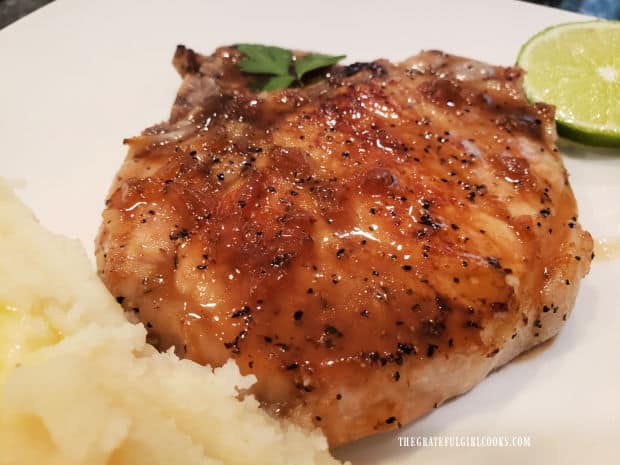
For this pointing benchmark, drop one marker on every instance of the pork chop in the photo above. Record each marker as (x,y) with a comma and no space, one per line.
(368,245)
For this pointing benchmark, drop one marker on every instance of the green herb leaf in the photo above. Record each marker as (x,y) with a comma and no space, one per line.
(314,61)
(279,82)
(262,59)
(277,62)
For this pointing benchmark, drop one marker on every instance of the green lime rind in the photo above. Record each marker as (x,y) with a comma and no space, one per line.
(585,132)
(588,136)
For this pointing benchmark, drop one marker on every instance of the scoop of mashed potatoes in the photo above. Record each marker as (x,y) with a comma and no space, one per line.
(80,385)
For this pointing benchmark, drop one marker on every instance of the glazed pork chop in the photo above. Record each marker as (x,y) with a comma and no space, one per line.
(368,245)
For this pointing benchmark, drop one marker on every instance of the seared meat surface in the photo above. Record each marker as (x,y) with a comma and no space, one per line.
(368,245)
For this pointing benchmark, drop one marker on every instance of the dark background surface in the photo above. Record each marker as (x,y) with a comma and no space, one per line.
(12,10)
(609,9)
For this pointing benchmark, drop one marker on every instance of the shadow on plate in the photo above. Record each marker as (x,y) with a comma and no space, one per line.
(586,152)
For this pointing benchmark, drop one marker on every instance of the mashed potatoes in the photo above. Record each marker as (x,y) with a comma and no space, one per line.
(79,384)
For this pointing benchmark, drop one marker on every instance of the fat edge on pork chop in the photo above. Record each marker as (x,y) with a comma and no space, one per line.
(368,245)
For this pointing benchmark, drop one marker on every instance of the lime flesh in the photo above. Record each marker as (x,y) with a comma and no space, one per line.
(576,67)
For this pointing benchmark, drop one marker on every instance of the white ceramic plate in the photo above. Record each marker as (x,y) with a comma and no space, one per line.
(77,77)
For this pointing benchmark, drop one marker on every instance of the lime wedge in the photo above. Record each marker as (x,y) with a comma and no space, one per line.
(576,67)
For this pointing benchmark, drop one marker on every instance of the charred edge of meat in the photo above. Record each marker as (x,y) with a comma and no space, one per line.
(185,60)
(354,68)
